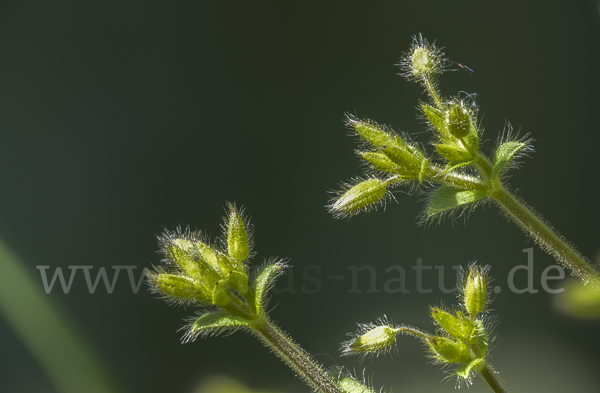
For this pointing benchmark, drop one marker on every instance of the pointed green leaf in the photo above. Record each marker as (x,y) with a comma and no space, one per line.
(466,370)
(216,322)
(446,198)
(262,283)
(504,154)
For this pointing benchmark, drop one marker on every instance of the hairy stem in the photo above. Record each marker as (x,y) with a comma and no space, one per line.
(550,241)
(295,357)
(490,376)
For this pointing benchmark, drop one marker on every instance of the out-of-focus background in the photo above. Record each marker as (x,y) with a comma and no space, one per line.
(121,118)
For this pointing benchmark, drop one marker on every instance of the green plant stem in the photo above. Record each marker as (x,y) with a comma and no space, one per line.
(490,377)
(295,357)
(536,227)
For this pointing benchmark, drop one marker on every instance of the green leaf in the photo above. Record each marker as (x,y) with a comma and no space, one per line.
(504,154)
(446,198)
(262,283)
(466,370)
(216,322)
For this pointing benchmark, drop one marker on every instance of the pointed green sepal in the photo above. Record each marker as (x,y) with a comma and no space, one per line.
(504,154)
(380,161)
(480,338)
(216,322)
(263,282)
(238,243)
(457,325)
(449,351)
(446,198)
(474,366)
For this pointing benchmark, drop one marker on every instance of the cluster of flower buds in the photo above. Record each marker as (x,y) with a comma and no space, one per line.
(216,278)
(387,153)
(461,337)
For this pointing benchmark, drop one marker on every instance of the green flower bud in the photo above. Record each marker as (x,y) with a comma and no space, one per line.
(437,118)
(423,62)
(475,290)
(459,121)
(374,340)
(449,351)
(360,197)
(456,325)
(372,133)
(179,288)
(238,243)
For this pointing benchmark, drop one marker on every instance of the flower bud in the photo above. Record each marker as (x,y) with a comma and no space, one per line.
(475,290)
(424,61)
(372,133)
(459,121)
(448,350)
(374,340)
(179,288)
(361,196)
(238,243)
(456,325)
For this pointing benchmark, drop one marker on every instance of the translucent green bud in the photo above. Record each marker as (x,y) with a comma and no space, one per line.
(374,340)
(457,326)
(179,287)
(372,133)
(449,351)
(459,121)
(475,290)
(359,197)
(207,255)
(238,243)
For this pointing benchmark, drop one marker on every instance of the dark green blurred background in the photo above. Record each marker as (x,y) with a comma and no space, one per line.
(120,118)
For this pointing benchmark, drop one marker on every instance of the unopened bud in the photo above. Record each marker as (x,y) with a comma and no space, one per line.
(459,121)
(238,244)
(361,196)
(179,288)
(475,290)
(449,351)
(456,325)
(374,340)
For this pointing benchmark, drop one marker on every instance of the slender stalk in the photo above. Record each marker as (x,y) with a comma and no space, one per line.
(295,357)
(536,227)
(492,380)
